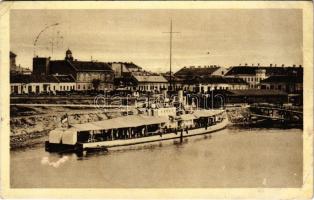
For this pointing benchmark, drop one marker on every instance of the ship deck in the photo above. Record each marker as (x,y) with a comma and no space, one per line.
(155,138)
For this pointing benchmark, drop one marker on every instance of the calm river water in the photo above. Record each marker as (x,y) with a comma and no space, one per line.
(228,158)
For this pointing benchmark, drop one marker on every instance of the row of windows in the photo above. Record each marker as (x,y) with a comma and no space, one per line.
(36,88)
(88,87)
(83,87)
(152,87)
(251,79)
(253,86)
(66,87)
(61,88)
(87,76)
(211,88)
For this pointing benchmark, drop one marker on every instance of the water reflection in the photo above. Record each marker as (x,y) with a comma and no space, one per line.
(228,158)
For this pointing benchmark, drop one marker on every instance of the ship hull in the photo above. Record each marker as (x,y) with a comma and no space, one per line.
(117,144)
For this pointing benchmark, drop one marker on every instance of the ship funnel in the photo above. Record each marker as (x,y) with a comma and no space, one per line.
(164,93)
(180,96)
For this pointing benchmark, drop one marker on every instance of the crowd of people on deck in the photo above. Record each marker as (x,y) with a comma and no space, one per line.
(145,131)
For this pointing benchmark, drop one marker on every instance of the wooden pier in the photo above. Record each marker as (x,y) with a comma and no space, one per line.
(280,114)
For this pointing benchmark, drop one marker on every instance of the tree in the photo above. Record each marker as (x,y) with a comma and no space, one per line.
(96,83)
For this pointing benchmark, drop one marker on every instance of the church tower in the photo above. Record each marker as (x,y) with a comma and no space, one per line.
(68,55)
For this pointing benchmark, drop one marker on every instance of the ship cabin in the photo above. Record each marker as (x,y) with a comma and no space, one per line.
(132,127)
(127,127)
(200,119)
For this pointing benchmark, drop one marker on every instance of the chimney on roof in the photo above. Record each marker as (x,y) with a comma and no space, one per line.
(275,65)
(270,65)
(245,64)
(300,66)
(293,65)
(282,65)
(258,64)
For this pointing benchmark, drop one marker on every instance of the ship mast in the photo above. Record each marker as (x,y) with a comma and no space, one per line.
(170,52)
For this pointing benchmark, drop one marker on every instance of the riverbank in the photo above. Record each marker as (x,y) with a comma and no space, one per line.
(30,125)
(238,115)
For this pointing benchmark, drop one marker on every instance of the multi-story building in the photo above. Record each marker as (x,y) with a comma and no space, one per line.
(89,75)
(65,83)
(205,71)
(206,84)
(151,83)
(123,69)
(289,84)
(253,75)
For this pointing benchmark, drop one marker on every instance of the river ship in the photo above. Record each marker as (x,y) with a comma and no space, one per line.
(154,125)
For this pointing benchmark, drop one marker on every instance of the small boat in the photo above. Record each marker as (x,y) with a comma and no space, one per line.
(155,125)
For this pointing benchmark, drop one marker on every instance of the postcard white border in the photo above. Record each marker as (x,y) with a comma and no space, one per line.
(261,193)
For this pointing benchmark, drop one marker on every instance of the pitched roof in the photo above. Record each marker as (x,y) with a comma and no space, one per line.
(126,80)
(23,78)
(90,66)
(283,79)
(132,65)
(288,71)
(64,78)
(213,80)
(196,71)
(82,65)
(150,79)
(58,63)
(270,71)
(239,70)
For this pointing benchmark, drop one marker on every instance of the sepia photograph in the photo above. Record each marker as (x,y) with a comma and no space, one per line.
(145,98)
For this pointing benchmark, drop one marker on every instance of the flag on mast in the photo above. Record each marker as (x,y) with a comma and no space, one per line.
(64,118)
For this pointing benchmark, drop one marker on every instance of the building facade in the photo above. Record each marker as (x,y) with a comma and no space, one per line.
(37,84)
(289,84)
(206,84)
(152,83)
(200,71)
(88,75)
(253,75)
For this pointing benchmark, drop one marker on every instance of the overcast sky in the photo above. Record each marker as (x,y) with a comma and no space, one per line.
(207,37)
